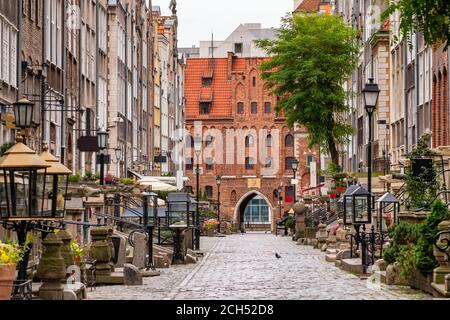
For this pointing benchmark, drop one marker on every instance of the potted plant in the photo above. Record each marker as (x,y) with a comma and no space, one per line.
(110,179)
(209,226)
(78,253)
(10,255)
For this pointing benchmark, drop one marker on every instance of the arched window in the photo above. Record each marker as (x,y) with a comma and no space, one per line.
(288,163)
(268,162)
(289,140)
(269,140)
(249,141)
(209,140)
(240,107)
(233,195)
(249,163)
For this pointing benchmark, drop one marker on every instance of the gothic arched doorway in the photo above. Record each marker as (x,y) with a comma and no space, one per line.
(254,212)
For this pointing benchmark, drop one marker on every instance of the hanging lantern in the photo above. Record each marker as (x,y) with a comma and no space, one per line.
(346,202)
(56,185)
(360,204)
(21,193)
(388,208)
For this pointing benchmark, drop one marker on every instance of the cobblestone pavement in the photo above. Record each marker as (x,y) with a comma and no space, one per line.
(245,267)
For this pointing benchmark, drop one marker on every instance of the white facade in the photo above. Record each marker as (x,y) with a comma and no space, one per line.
(241,42)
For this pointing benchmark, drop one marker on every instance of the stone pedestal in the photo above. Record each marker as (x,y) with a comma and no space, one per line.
(440,272)
(300,226)
(100,250)
(66,252)
(140,250)
(321,234)
(51,269)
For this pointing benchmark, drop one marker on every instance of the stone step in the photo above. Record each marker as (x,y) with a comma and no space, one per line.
(440,290)
(338,263)
(352,265)
(330,257)
(114,278)
(332,251)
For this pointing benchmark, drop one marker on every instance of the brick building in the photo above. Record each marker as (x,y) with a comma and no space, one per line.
(244,141)
(440,93)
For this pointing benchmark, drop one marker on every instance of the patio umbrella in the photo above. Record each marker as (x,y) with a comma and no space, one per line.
(157,185)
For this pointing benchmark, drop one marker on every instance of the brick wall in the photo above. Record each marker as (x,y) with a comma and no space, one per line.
(440,104)
(233,82)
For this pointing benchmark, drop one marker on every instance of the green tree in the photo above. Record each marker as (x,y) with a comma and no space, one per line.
(310,61)
(431,17)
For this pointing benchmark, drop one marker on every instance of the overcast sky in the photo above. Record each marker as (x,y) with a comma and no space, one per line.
(198,18)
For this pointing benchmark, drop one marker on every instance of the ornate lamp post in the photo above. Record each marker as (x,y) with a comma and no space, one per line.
(294,165)
(198,149)
(371,93)
(102,137)
(218,182)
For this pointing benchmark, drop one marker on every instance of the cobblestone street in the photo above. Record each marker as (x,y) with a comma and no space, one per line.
(245,267)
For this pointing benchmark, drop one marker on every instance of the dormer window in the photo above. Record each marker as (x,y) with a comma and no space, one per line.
(206,82)
(205,107)
(238,48)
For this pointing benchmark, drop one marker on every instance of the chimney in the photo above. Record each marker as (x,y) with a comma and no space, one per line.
(230,56)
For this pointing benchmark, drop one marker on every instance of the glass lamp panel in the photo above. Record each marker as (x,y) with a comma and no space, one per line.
(361,209)
(62,196)
(29,115)
(3,203)
(348,210)
(370,98)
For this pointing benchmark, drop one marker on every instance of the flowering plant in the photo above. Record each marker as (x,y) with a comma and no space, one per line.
(10,253)
(210,224)
(110,179)
(76,249)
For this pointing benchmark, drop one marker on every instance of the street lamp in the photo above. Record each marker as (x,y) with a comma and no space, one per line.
(218,182)
(294,165)
(371,93)
(118,153)
(23,113)
(198,149)
(55,203)
(102,137)
(387,204)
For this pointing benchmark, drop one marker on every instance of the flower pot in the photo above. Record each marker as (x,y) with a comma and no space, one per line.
(7,277)
(210,232)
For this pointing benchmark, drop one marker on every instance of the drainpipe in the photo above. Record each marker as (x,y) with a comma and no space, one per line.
(133,40)
(19,50)
(97,79)
(405,95)
(63,86)
(416,90)
(80,85)
(126,91)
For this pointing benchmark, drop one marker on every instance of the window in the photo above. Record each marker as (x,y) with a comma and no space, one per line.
(268,162)
(249,141)
(267,107)
(309,159)
(209,163)
(257,211)
(288,163)
(238,48)
(206,82)
(249,163)
(240,107)
(254,81)
(289,140)
(205,107)
(289,194)
(189,163)
(209,140)
(209,191)
(269,140)
(360,131)
(254,107)
(189,142)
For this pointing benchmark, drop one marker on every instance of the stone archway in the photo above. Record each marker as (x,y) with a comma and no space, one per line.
(239,209)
